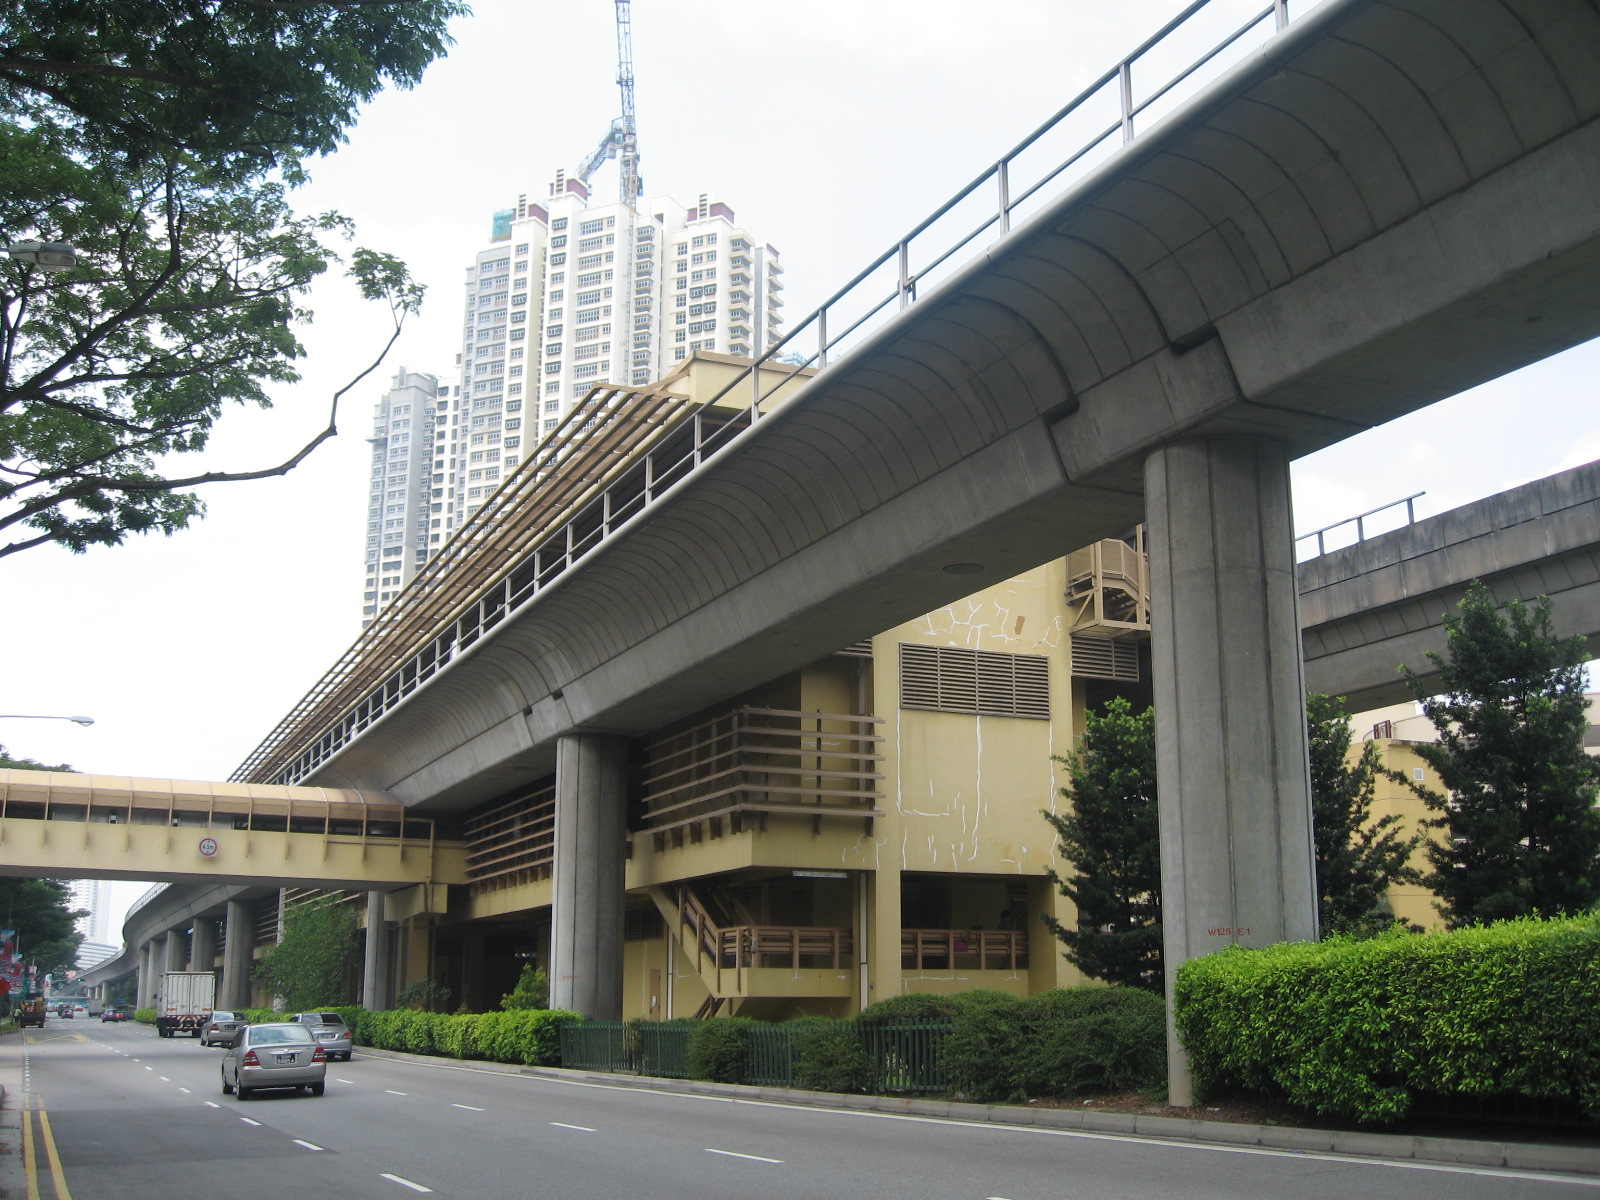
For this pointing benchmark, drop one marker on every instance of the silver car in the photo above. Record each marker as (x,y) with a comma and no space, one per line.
(221,1028)
(332,1034)
(274,1056)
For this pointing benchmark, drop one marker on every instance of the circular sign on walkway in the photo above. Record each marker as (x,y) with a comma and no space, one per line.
(208,847)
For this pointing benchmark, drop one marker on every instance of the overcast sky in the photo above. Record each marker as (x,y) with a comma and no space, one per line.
(831,127)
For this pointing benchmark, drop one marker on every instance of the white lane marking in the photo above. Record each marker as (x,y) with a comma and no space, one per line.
(186,1091)
(392,1092)
(468,1107)
(336,1079)
(212,1104)
(736,1154)
(149,1068)
(248,1121)
(307,1145)
(164,1079)
(581,1128)
(415,1187)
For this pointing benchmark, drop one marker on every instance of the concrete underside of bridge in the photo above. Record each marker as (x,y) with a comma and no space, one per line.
(1387,204)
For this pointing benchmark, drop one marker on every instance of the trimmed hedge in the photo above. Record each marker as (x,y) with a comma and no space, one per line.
(1059,1043)
(525,1035)
(1362,1029)
(145,1016)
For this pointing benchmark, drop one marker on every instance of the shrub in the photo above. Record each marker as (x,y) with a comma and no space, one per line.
(145,1016)
(1361,1029)
(532,990)
(1095,1039)
(718,1050)
(829,1056)
(528,1036)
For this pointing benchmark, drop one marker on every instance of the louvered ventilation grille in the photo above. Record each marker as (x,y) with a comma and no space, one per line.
(1105,658)
(952,679)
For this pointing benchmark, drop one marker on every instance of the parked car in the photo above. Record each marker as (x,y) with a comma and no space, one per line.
(112,1014)
(279,1055)
(222,1028)
(332,1034)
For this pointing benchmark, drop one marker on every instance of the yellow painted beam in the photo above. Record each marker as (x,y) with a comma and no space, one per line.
(177,854)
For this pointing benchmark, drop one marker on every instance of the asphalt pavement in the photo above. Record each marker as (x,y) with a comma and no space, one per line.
(114,1113)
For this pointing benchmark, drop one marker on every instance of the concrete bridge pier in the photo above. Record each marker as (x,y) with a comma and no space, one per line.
(177,956)
(150,959)
(1237,864)
(237,942)
(375,976)
(203,946)
(590,844)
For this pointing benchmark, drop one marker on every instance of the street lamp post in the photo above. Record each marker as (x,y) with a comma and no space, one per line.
(85,721)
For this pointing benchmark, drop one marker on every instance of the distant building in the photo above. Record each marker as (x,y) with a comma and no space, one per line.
(401,505)
(571,293)
(91,895)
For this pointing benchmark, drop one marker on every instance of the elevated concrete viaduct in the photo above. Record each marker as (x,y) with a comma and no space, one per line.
(1387,203)
(1369,606)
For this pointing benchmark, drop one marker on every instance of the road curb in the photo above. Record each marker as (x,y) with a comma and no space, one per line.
(1518,1156)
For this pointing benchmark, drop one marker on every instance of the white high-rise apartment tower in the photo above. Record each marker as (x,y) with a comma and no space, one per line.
(403,505)
(572,293)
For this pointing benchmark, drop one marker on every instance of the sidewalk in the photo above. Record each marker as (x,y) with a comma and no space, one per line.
(1513,1155)
(13,1176)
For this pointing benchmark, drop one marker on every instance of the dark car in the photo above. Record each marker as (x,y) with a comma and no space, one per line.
(113,1014)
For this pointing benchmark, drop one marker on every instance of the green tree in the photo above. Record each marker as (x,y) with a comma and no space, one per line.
(28,764)
(41,912)
(1521,834)
(1111,837)
(315,961)
(160,138)
(1357,857)
(532,990)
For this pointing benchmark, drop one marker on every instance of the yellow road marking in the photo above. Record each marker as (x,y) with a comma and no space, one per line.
(30,1158)
(34,1039)
(55,1159)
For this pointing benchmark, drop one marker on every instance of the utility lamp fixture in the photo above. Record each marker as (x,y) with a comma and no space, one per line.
(821,874)
(47,256)
(85,721)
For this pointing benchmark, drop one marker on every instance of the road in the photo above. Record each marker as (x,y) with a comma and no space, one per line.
(135,1117)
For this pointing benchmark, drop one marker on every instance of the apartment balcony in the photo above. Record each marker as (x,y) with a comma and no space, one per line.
(739,770)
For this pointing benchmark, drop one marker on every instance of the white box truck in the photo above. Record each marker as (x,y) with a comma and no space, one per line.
(183,1004)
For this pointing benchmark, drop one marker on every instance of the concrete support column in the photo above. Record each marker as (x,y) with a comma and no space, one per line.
(375,976)
(151,960)
(1235,795)
(203,947)
(238,941)
(590,836)
(177,957)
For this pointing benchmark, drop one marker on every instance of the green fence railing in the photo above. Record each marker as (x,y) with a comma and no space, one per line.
(664,1050)
(596,1046)
(907,1056)
(904,1056)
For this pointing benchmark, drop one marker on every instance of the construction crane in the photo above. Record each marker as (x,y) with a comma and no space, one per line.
(621,140)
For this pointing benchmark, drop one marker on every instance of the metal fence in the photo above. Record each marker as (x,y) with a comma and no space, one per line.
(903,1056)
